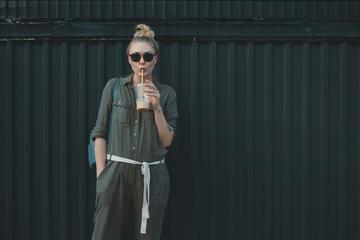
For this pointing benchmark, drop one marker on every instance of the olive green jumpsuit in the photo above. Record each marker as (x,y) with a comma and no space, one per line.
(120,186)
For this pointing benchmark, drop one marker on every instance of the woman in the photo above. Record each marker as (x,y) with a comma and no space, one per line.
(136,147)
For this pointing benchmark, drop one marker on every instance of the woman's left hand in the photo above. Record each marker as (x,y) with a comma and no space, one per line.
(153,93)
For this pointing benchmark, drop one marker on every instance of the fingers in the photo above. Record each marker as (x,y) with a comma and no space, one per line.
(153,93)
(152,90)
(150,84)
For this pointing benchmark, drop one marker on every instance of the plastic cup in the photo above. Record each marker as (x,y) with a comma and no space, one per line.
(142,100)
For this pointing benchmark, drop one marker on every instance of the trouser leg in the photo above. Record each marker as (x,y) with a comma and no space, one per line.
(159,193)
(113,201)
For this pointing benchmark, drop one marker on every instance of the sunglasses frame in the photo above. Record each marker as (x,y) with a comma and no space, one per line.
(136,57)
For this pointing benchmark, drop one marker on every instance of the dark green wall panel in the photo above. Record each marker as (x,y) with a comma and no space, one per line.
(268,137)
(267,142)
(257,10)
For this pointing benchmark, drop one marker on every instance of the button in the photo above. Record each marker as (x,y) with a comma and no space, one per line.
(135,121)
(135,134)
(134,148)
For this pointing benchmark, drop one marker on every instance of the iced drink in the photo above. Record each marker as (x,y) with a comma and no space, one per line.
(142,100)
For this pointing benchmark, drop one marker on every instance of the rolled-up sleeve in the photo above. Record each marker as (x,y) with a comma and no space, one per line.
(170,111)
(102,122)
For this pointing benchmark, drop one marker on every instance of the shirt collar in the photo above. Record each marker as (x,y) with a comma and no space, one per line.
(126,80)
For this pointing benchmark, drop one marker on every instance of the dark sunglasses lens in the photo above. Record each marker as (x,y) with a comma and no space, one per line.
(135,57)
(148,57)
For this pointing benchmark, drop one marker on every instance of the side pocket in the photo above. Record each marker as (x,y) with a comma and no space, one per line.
(104,170)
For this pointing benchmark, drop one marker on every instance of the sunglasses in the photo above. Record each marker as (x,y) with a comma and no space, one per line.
(148,57)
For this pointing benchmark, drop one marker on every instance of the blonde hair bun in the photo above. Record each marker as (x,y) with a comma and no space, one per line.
(142,30)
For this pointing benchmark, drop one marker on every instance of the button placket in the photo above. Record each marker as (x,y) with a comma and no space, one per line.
(135,133)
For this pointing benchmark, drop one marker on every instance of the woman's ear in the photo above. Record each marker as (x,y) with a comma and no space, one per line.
(156,58)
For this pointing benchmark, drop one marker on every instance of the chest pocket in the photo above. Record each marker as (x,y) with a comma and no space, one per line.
(121,113)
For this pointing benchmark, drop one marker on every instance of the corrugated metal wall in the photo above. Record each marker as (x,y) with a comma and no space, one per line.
(180,9)
(268,141)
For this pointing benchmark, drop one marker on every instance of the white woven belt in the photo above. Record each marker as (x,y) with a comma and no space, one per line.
(145,170)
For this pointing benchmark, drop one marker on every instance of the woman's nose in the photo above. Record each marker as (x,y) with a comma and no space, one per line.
(142,61)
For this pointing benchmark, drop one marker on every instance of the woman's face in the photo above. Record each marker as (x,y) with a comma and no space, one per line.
(142,48)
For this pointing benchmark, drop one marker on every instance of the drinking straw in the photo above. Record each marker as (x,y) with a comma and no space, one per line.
(142,81)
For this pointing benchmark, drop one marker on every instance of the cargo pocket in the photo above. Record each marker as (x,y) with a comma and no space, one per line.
(121,112)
